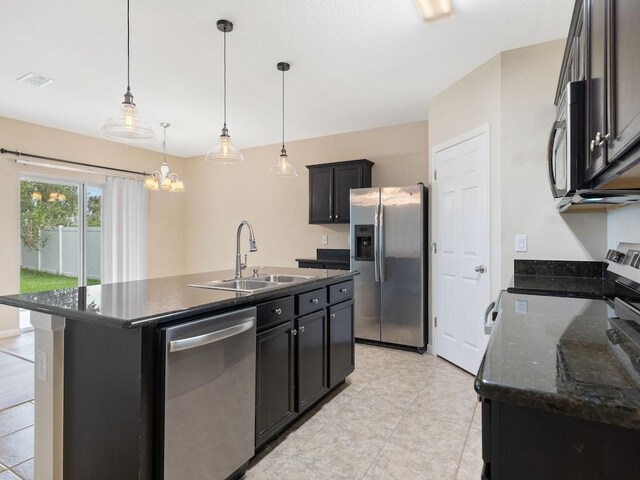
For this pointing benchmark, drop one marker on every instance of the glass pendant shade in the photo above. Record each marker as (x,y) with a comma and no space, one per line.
(151,183)
(127,125)
(283,168)
(224,153)
(177,186)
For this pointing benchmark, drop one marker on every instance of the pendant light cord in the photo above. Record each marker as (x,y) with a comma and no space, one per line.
(164,143)
(224,56)
(128,54)
(283,109)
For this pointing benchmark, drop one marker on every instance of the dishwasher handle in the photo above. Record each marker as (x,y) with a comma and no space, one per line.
(207,338)
(488,321)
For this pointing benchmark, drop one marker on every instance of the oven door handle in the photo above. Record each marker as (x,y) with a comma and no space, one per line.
(550,145)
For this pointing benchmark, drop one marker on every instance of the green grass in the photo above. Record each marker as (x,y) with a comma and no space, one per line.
(35,281)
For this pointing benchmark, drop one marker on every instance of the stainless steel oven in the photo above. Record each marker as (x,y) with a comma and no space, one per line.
(566,148)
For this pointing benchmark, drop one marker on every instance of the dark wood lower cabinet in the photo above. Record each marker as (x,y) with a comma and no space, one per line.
(274,380)
(523,442)
(311,352)
(301,359)
(341,346)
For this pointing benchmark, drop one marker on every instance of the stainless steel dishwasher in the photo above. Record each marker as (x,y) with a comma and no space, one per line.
(209,398)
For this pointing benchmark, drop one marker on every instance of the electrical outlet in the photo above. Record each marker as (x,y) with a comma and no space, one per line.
(521,243)
(41,363)
(325,239)
(522,306)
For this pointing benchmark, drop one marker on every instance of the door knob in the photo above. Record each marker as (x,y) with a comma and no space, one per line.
(480,269)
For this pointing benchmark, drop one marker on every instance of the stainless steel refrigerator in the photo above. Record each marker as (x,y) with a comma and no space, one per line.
(388,238)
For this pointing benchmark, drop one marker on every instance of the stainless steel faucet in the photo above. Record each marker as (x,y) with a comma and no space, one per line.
(252,248)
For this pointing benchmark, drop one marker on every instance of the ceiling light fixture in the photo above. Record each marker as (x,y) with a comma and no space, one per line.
(283,167)
(224,153)
(162,179)
(127,125)
(435,10)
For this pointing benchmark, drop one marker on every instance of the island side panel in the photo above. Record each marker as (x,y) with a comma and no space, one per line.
(109,402)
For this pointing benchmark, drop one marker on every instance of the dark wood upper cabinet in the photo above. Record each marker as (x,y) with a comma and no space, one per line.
(596,12)
(602,48)
(329,186)
(624,73)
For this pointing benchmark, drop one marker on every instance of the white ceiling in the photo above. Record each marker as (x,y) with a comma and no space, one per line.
(355,64)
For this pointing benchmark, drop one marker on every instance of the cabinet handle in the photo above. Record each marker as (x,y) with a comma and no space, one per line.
(277,311)
(330,217)
(336,216)
(599,141)
(314,301)
(343,290)
(294,331)
(333,315)
(302,329)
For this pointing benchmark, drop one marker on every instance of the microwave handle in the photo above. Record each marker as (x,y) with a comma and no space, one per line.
(552,175)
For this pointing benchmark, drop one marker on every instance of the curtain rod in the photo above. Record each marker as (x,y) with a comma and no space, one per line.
(22,154)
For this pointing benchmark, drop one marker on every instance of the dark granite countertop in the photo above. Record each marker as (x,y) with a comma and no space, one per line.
(553,353)
(581,287)
(326,262)
(158,300)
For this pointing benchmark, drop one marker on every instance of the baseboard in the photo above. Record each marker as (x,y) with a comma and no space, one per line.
(429,349)
(10,333)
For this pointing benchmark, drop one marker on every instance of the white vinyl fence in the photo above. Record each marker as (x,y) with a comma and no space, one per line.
(60,255)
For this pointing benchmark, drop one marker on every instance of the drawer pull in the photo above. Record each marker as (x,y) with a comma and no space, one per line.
(333,315)
(277,311)
(344,290)
(302,329)
(294,331)
(314,301)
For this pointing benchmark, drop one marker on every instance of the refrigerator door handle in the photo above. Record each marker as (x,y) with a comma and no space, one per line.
(376,244)
(381,255)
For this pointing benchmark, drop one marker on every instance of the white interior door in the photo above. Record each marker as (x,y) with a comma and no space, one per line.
(462,258)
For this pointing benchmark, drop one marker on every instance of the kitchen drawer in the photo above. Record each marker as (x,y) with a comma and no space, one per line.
(340,291)
(275,312)
(311,301)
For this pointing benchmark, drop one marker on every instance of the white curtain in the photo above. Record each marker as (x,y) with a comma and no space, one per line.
(124,220)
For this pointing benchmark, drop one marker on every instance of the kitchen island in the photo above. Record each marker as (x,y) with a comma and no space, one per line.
(101,365)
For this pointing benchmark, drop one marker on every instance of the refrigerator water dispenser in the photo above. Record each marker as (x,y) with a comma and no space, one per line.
(364,242)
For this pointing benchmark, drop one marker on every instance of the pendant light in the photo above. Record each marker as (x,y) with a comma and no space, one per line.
(224,153)
(283,167)
(127,125)
(162,179)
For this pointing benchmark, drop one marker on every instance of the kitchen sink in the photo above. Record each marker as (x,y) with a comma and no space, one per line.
(241,285)
(252,284)
(284,278)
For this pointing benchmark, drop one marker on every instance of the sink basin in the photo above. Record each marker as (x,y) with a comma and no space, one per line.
(284,278)
(242,285)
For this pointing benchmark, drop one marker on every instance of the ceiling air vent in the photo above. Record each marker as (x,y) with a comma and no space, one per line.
(35,80)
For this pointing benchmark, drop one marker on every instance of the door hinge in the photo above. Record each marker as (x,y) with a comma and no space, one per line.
(435,174)
(435,322)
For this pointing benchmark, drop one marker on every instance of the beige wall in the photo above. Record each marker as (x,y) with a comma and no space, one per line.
(166,243)
(513,93)
(623,225)
(219,197)
(529,78)
(470,103)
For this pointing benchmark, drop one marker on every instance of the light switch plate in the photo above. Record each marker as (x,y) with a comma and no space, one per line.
(521,243)
(325,239)
(522,306)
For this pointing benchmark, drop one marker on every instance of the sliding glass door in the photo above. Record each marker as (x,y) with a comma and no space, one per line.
(60,234)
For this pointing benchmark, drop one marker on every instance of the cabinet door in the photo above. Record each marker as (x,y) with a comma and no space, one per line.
(596,87)
(321,195)
(311,350)
(624,79)
(274,380)
(345,178)
(341,342)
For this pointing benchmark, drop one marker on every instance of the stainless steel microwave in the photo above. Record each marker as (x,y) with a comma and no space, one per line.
(566,148)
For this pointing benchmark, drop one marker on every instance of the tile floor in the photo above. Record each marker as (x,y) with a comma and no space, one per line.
(400,415)
(16,407)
